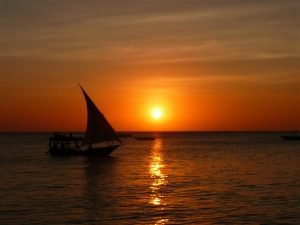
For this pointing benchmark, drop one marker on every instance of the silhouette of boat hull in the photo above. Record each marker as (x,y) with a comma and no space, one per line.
(291,137)
(100,151)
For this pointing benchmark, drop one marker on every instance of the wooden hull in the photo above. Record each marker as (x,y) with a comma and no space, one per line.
(291,137)
(101,151)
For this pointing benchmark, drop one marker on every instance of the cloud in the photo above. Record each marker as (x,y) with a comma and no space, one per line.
(149,31)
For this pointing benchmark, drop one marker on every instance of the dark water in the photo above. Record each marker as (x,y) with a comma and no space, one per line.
(217,178)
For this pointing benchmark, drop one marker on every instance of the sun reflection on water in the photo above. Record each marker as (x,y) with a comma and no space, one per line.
(159,179)
(161,221)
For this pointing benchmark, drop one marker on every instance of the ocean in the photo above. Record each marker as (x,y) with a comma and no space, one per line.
(178,178)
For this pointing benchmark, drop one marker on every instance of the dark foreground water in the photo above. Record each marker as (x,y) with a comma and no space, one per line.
(217,178)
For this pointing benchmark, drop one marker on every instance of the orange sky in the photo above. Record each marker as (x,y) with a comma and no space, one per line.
(207,65)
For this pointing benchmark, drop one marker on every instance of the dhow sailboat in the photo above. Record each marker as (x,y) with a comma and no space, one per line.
(100,138)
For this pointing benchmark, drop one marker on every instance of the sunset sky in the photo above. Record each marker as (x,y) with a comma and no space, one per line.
(206,64)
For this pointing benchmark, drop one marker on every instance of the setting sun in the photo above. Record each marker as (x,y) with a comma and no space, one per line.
(156,113)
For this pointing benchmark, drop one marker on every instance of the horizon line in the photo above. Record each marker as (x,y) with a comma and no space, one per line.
(164,131)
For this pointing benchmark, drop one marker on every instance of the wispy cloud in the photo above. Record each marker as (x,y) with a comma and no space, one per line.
(150,31)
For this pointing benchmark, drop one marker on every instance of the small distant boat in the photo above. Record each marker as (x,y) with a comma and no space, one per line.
(124,135)
(145,138)
(294,137)
(100,138)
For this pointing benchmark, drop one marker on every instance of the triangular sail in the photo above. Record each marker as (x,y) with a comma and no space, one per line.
(98,128)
